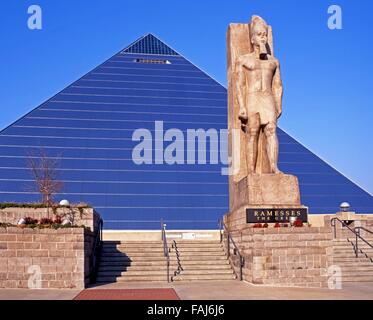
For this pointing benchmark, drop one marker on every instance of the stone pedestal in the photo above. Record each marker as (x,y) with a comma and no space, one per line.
(265,191)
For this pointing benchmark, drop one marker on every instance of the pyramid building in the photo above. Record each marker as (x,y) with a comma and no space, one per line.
(88,127)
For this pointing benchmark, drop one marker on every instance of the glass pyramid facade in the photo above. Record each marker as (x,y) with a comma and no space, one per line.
(88,127)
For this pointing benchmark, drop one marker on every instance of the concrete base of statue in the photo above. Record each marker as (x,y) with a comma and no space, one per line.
(265,189)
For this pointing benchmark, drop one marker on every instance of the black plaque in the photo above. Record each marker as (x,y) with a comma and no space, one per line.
(273,215)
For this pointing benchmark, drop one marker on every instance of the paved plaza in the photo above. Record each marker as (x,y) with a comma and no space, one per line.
(211,290)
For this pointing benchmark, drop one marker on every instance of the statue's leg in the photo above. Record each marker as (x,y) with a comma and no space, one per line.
(252,142)
(272,146)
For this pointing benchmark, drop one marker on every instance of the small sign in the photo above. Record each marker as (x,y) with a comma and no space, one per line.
(273,215)
(189,236)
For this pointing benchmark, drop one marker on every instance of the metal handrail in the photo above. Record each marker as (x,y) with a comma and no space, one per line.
(179,267)
(333,224)
(96,251)
(165,249)
(355,231)
(236,251)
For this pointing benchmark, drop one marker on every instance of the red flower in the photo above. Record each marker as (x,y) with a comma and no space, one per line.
(46,221)
(298,223)
(58,220)
(29,220)
(277,225)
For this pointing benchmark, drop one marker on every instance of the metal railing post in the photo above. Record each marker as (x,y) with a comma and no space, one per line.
(360,237)
(229,246)
(162,228)
(168,271)
(241,265)
(334,228)
(165,249)
(356,243)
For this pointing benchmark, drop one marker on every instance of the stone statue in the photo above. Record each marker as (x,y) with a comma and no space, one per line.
(254,105)
(259,95)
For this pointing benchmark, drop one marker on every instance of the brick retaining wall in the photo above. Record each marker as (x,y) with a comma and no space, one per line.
(284,256)
(62,255)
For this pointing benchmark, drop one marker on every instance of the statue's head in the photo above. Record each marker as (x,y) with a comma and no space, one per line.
(258,32)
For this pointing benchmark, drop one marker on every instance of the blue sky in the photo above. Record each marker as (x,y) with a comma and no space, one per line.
(326,73)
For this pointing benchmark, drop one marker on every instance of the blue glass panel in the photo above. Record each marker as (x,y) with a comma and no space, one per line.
(151,45)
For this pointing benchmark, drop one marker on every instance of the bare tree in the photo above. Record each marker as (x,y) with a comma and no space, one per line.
(44,172)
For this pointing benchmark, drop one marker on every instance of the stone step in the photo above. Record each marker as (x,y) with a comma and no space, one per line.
(126,258)
(162,278)
(108,242)
(360,244)
(111,262)
(206,272)
(342,250)
(199,254)
(160,252)
(192,247)
(357,272)
(365,249)
(132,269)
(351,238)
(195,242)
(182,277)
(350,259)
(348,255)
(200,258)
(354,264)
(361,254)
(162,267)
(147,243)
(161,272)
(358,278)
(132,255)
(131,273)
(155,257)
(131,249)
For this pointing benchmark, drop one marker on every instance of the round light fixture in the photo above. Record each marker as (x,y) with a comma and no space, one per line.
(65,203)
(66,222)
(21,221)
(344,206)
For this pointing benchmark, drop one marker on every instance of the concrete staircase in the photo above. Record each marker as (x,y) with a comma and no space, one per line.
(144,261)
(201,260)
(353,269)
